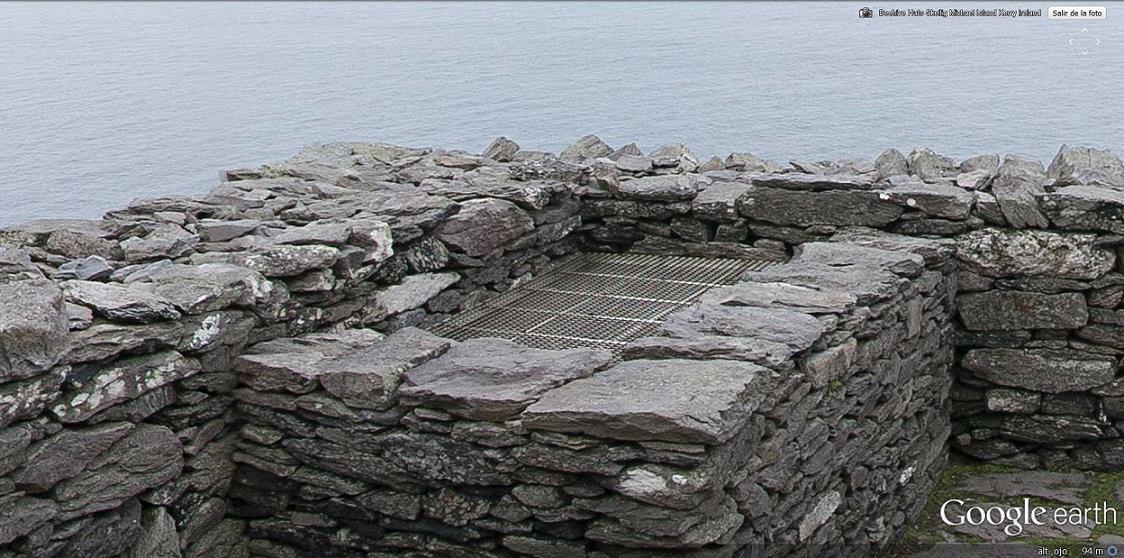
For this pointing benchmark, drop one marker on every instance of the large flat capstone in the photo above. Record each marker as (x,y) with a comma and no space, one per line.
(492,379)
(689,401)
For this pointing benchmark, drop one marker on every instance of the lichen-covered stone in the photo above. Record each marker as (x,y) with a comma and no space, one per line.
(503,220)
(100,387)
(33,328)
(833,207)
(666,188)
(368,378)
(1086,165)
(1007,253)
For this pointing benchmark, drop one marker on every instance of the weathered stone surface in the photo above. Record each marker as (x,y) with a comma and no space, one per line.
(146,458)
(666,400)
(491,379)
(928,165)
(820,513)
(91,268)
(588,147)
(279,260)
(986,163)
(20,515)
(813,182)
(413,292)
(781,295)
(1015,187)
(975,180)
(209,287)
(329,233)
(795,329)
(368,378)
(719,201)
(804,208)
(105,534)
(634,163)
(649,527)
(1006,253)
(503,220)
(1083,207)
(748,162)
(1014,310)
(666,188)
(1085,165)
(939,200)
(890,163)
(218,230)
(935,251)
(103,386)
(15,265)
(119,303)
(1050,371)
(66,454)
(158,537)
(33,328)
(674,155)
(104,340)
(165,241)
(27,398)
(1007,400)
(501,149)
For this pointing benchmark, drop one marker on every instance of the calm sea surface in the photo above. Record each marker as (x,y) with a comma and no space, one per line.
(103,103)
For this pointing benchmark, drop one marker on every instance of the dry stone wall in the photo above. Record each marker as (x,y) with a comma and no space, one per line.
(242,372)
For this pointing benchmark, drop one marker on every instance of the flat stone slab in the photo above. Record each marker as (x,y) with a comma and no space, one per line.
(673,400)
(1068,488)
(493,379)
(1046,370)
(369,378)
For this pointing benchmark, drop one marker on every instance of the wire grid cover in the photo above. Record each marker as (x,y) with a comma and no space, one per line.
(596,300)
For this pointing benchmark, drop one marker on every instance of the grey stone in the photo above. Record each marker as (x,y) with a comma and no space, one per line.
(665,188)
(1085,208)
(665,400)
(27,398)
(15,265)
(588,147)
(805,208)
(633,163)
(1007,253)
(413,292)
(210,287)
(820,513)
(491,379)
(20,515)
(218,230)
(1006,400)
(66,454)
(503,221)
(280,260)
(929,166)
(1045,370)
(1085,165)
(1014,310)
(334,234)
(392,503)
(165,241)
(501,149)
(119,381)
(975,180)
(92,268)
(719,201)
(105,340)
(934,251)
(369,377)
(119,303)
(939,200)
(747,162)
(1015,187)
(890,163)
(781,295)
(158,537)
(33,328)
(778,325)
(813,182)
(146,458)
(544,548)
(987,163)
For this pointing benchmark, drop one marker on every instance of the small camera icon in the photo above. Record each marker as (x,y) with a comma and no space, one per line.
(866,13)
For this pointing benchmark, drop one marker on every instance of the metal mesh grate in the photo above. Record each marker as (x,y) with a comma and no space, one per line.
(596,300)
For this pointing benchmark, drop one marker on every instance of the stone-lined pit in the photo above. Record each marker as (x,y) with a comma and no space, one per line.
(247,372)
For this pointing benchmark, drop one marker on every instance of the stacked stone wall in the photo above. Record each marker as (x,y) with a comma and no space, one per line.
(138,417)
